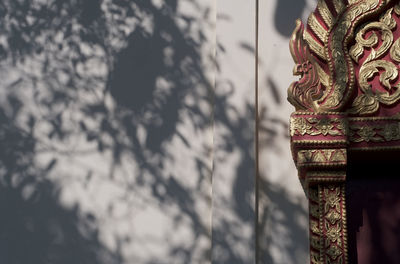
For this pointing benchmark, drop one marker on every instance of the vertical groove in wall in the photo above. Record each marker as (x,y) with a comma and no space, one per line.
(212,92)
(256,182)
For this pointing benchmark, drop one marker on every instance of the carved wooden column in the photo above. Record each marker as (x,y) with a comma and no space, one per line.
(319,149)
(347,101)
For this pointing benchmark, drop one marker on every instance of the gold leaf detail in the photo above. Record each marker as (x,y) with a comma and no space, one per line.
(305,156)
(332,199)
(314,226)
(317,28)
(387,19)
(314,126)
(361,43)
(391,132)
(365,104)
(315,242)
(339,6)
(338,156)
(315,258)
(324,77)
(340,64)
(334,252)
(304,93)
(300,126)
(397,9)
(395,51)
(333,233)
(368,134)
(368,102)
(325,13)
(319,157)
(333,216)
(356,51)
(314,45)
(325,126)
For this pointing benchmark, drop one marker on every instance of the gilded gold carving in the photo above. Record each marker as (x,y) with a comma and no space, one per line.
(317,126)
(395,51)
(325,13)
(340,65)
(315,258)
(323,77)
(316,239)
(333,217)
(391,132)
(319,142)
(339,6)
(317,28)
(314,210)
(315,242)
(299,125)
(338,156)
(303,93)
(364,133)
(375,132)
(314,226)
(333,233)
(321,157)
(368,102)
(314,45)
(335,224)
(385,25)
(329,89)
(397,9)
(334,252)
(332,199)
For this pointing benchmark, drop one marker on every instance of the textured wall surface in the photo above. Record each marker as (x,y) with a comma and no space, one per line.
(283,208)
(127,132)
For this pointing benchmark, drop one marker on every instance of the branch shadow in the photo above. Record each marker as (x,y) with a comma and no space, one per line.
(34,227)
(111,84)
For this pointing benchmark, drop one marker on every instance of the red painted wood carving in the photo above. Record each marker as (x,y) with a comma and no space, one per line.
(347,100)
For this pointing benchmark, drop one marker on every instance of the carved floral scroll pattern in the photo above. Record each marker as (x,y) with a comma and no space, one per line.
(375,133)
(328,33)
(317,126)
(335,243)
(327,224)
(356,132)
(374,65)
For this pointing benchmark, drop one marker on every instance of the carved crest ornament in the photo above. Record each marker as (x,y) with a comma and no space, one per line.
(347,100)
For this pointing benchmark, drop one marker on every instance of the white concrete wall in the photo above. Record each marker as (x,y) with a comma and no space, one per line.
(283,217)
(127,133)
(233,218)
(111,110)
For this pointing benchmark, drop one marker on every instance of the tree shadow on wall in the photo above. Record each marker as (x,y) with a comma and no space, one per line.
(96,73)
(284,221)
(34,227)
(287,11)
(283,216)
(115,79)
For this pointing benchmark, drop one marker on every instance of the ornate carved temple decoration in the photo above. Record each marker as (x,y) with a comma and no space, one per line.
(347,99)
